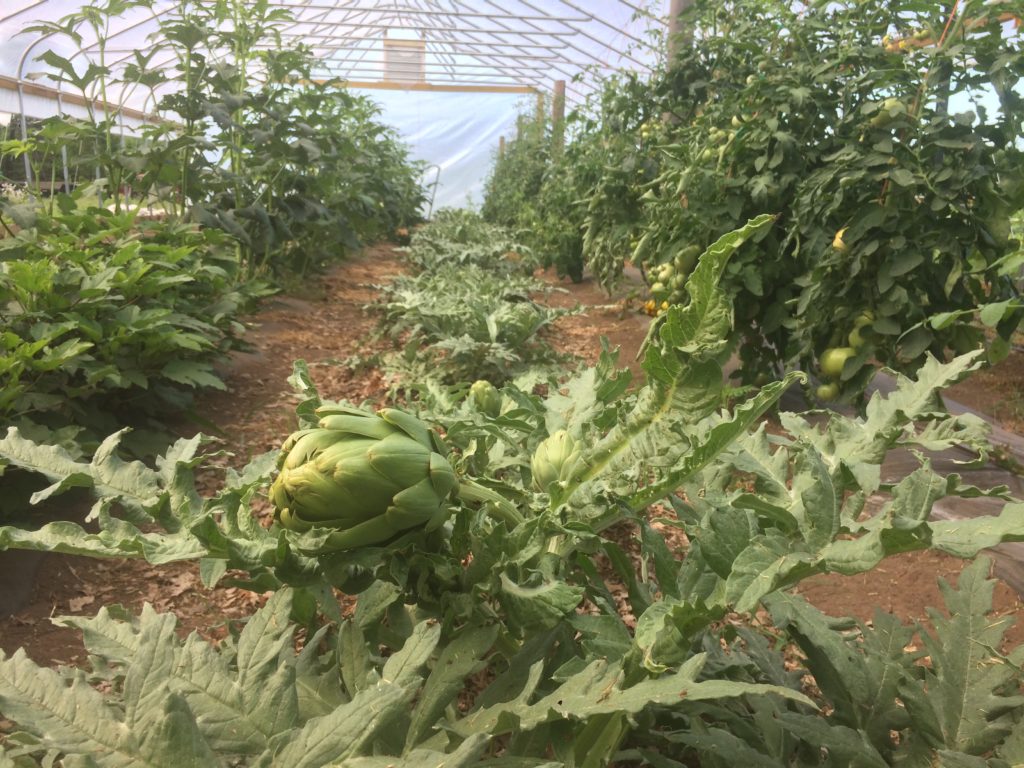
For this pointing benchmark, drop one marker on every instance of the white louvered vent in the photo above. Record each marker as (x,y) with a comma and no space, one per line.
(404,60)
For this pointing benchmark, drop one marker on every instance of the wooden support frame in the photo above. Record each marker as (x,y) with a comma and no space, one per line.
(48,92)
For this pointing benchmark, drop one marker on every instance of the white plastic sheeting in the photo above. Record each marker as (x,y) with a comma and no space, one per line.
(484,44)
(458,132)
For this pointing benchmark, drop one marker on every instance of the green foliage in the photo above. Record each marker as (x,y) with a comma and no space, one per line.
(120,295)
(531,192)
(469,314)
(495,639)
(963,704)
(297,171)
(885,141)
(100,316)
(846,132)
(458,237)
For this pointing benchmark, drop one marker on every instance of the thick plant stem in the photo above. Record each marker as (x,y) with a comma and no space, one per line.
(501,508)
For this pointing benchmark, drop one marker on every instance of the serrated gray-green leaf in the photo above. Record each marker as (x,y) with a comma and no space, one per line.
(665,631)
(843,745)
(112,639)
(766,565)
(145,683)
(116,539)
(73,718)
(595,691)
(457,661)
(242,696)
(174,738)
(818,499)
(404,667)
(966,538)
(346,731)
(719,744)
(701,326)
(354,658)
(968,677)
(915,399)
(135,485)
(541,605)
(468,753)
(661,440)
(861,681)
(706,444)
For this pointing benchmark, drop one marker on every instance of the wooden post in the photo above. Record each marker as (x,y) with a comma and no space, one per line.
(678,33)
(501,146)
(558,115)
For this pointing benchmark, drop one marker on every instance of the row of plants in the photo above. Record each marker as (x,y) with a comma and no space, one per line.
(247,139)
(486,631)
(884,136)
(468,311)
(119,292)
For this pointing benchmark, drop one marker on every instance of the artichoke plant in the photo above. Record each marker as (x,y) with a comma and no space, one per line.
(371,477)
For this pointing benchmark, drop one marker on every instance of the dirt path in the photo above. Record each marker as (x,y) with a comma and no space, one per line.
(257,413)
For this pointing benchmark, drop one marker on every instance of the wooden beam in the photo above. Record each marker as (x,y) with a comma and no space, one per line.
(391,85)
(501,146)
(48,92)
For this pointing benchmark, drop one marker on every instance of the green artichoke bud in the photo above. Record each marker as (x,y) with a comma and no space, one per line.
(485,397)
(557,460)
(370,476)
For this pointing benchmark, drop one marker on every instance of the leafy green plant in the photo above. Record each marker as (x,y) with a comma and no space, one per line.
(883,136)
(497,638)
(859,158)
(469,314)
(101,317)
(459,237)
(296,170)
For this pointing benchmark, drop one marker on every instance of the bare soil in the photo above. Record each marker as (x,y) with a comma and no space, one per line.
(329,326)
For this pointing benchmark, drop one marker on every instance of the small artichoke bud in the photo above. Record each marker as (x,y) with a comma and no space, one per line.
(557,460)
(485,398)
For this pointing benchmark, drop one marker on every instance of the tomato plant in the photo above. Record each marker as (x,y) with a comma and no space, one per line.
(884,137)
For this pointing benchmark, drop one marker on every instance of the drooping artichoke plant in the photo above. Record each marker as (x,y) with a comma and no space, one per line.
(371,477)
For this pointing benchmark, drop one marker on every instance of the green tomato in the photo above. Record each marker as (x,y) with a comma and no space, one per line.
(833,359)
(686,259)
(658,289)
(855,339)
(826,393)
(867,317)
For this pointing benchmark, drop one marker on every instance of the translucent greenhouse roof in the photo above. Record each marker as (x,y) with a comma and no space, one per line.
(450,75)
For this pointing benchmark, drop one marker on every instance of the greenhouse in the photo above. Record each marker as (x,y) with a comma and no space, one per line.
(528,383)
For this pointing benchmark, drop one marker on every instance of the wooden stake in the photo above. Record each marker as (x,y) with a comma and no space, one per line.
(678,34)
(501,146)
(558,114)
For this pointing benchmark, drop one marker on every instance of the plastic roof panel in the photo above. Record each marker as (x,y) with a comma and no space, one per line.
(527,42)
